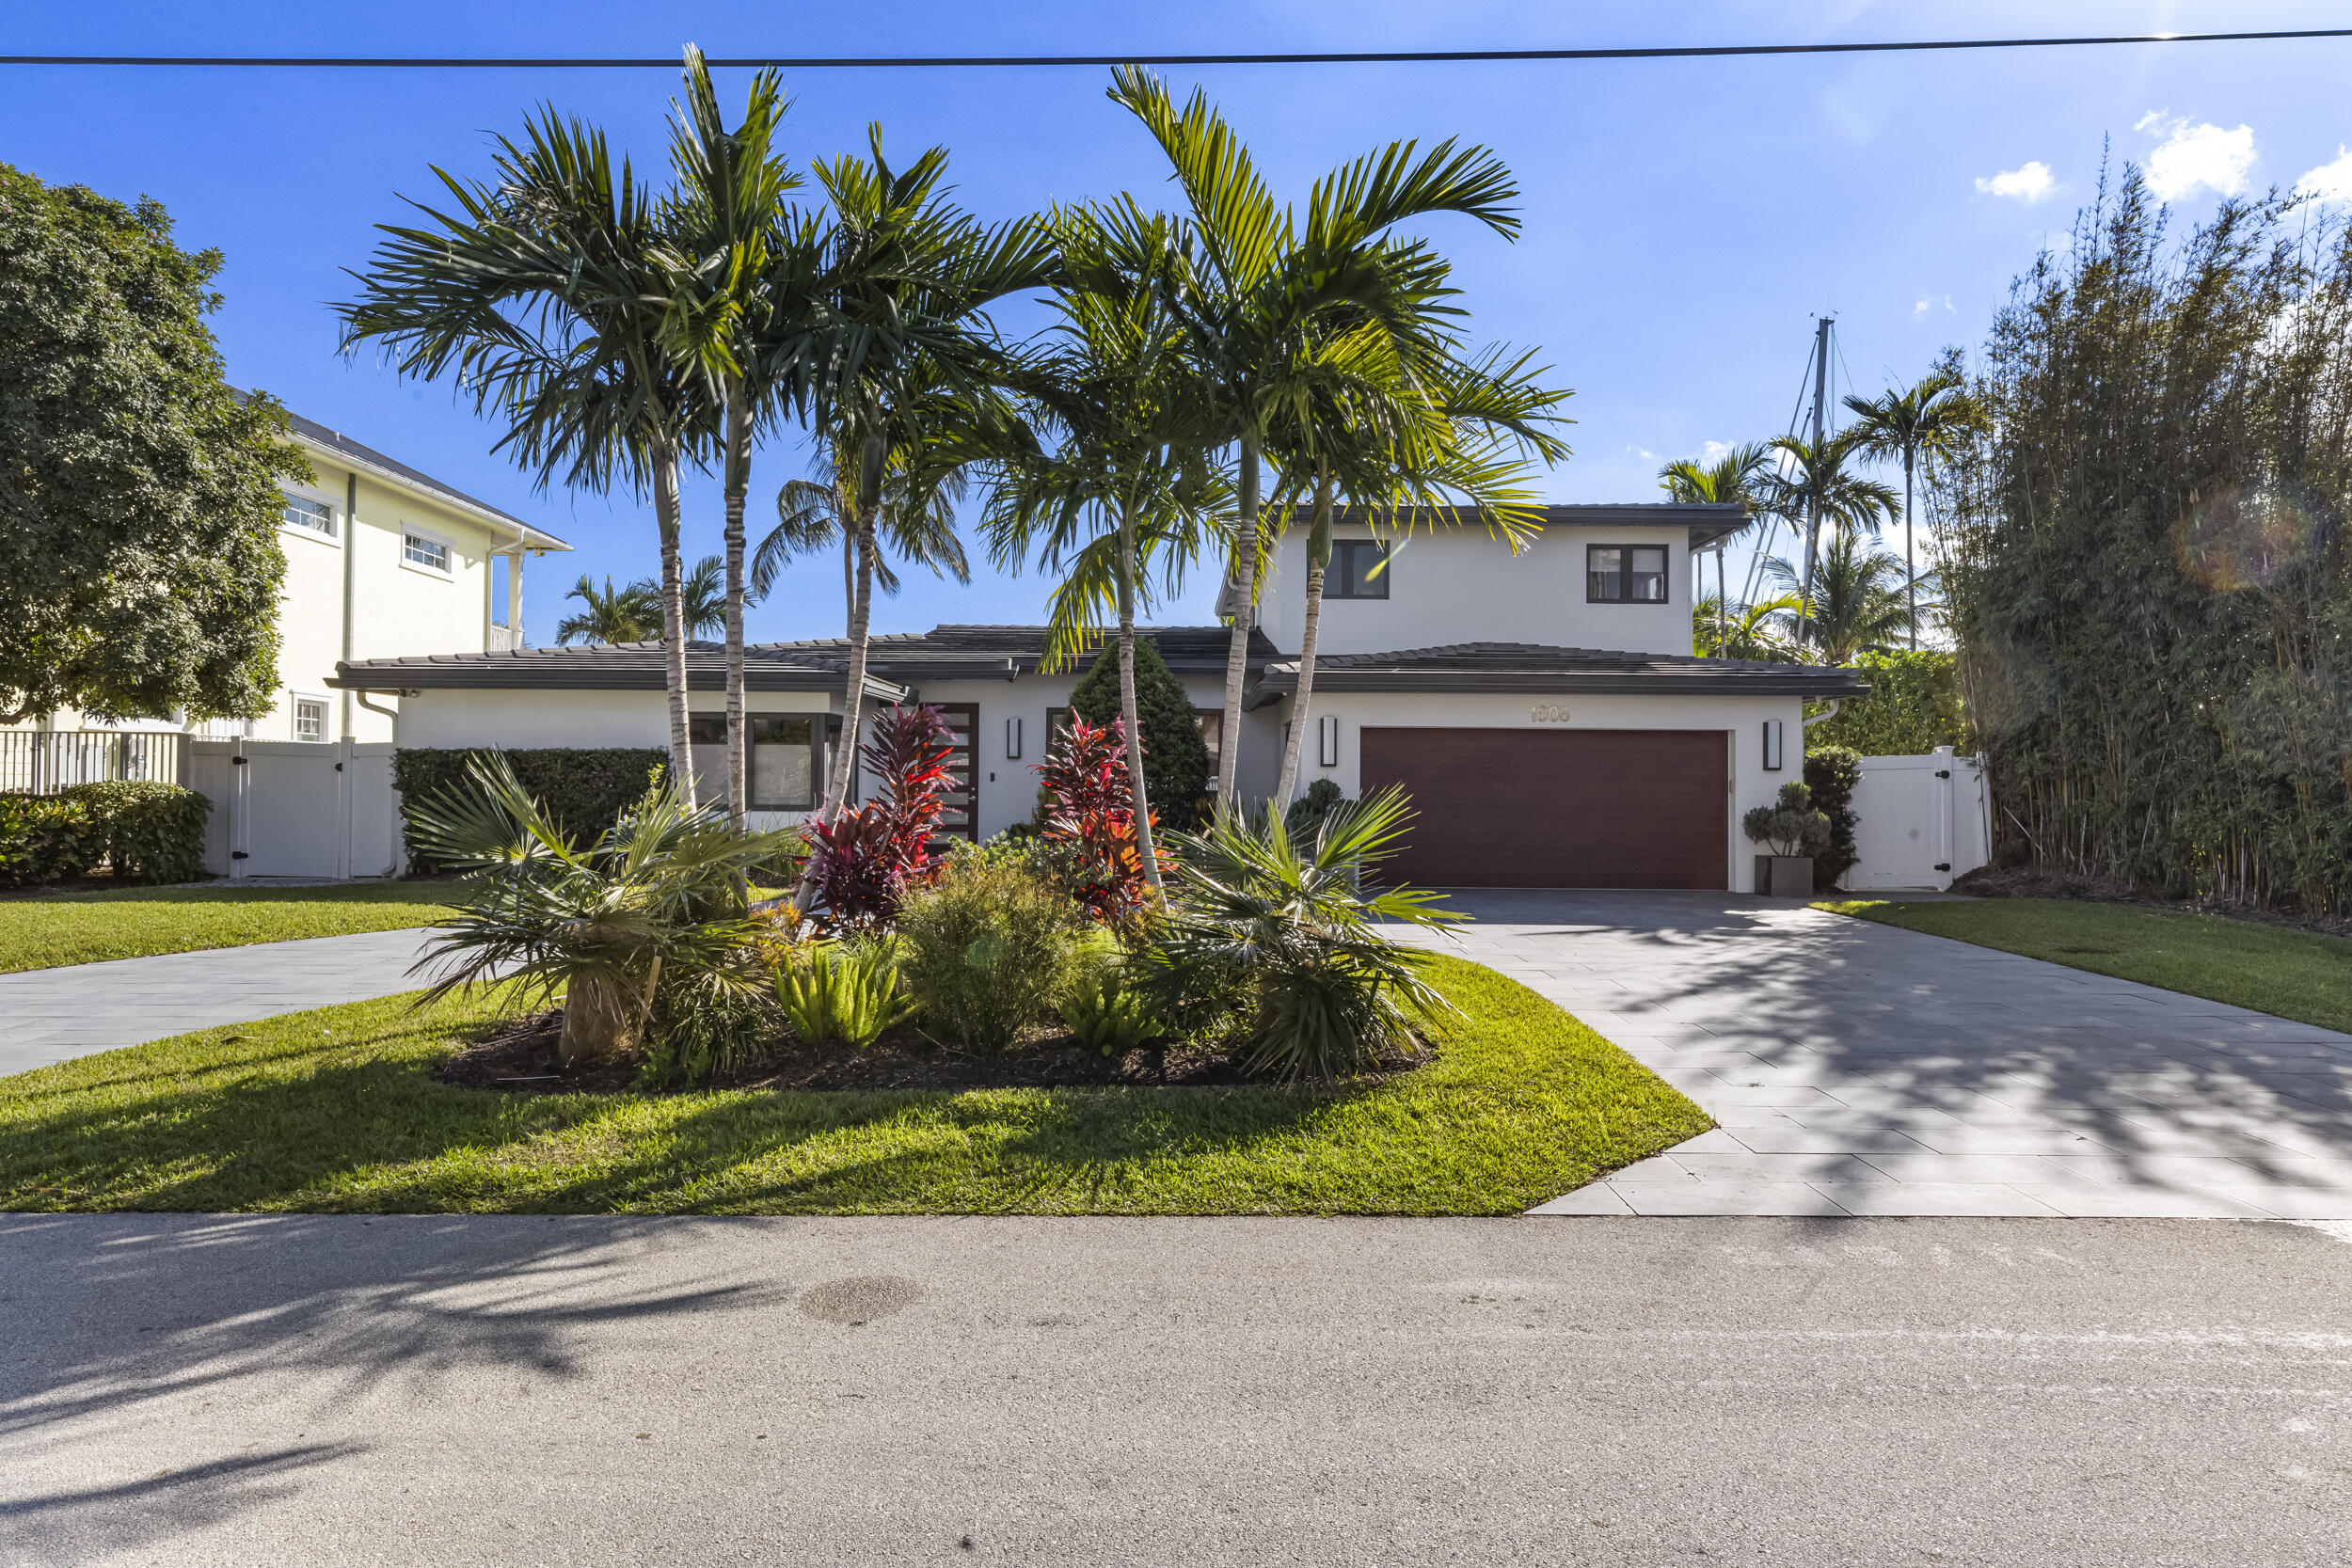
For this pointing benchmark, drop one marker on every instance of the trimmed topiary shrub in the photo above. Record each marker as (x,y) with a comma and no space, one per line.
(1831,772)
(45,838)
(148,830)
(585,789)
(1175,758)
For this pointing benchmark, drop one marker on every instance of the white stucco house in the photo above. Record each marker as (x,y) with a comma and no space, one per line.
(1543,709)
(381,559)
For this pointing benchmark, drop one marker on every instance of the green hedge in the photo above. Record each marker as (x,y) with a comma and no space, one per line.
(1831,772)
(1914,708)
(584,788)
(149,831)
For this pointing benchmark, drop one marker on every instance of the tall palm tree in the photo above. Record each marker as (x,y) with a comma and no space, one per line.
(1853,605)
(1927,421)
(702,597)
(814,514)
(1730,481)
(613,616)
(1263,278)
(1402,429)
(907,363)
(542,293)
(1813,485)
(726,216)
(1113,475)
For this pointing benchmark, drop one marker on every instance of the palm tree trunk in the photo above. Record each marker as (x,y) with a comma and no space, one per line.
(1318,557)
(1138,795)
(665,514)
(853,698)
(1911,577)
(1237,658)
(738,480)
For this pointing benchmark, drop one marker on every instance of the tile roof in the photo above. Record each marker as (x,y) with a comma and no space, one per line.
(1538,667)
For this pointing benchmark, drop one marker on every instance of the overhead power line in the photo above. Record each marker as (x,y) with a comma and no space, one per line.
(906,62)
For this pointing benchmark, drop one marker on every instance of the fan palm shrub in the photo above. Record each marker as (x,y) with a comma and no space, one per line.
(1275,939)
(605,923)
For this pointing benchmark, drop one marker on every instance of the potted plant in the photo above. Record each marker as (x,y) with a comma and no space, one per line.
(1794,832)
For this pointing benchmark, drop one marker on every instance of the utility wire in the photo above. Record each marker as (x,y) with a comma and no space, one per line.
(1400,57)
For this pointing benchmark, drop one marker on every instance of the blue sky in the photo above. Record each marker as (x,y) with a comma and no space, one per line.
(1685,220)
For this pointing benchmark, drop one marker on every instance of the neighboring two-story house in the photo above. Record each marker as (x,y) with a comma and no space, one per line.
(1543,709)
(381,559)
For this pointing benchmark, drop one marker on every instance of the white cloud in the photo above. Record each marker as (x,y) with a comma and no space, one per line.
(1921,307)
(1714,451)
(2197,157)
(2029,182)
(2329,182)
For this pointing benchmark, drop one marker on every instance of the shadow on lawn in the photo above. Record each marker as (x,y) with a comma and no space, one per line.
(123,1318)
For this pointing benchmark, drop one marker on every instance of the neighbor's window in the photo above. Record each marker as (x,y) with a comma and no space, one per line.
(310,515)
(310,718)
(422,549)
(1357,570)
(781,770)
(1625,574)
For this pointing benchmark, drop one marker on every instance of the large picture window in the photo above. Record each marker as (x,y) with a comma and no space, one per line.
(783,766)
(1358,570)
(1625,574)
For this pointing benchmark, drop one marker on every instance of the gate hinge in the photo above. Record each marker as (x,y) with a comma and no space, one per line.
(239,762)
(1942,773)
(239,855)
(339,767)
(1943,865)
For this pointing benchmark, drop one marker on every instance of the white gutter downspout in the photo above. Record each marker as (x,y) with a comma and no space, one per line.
(1824,717)
(351,547)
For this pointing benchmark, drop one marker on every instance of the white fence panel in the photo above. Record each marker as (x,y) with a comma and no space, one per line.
(1921,821)
(298,808)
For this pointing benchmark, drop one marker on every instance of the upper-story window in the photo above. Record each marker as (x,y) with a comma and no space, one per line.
(311,517)
(1358,570)
(422,549)
(1625,574)
(310,718)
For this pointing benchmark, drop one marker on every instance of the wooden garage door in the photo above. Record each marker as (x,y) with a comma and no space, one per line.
(1557,808)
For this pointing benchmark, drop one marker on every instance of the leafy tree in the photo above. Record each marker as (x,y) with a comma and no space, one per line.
(139,565)
(1855,600)
(1927,422)
(1914,707)
(545,294)
(611,615)
(1175,758)
(1731,480)
(1264,279)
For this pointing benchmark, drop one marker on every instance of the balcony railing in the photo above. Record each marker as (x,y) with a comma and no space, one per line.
(505,639)
(43,762)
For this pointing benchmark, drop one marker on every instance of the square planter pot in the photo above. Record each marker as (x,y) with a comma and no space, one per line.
(1785,876)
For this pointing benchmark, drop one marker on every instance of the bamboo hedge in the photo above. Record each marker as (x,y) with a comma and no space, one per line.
(2147,564)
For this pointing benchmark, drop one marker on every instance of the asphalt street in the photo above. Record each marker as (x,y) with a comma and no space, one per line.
(319,1390)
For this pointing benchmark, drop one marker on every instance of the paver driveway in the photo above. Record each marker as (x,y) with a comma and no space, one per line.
(1858,1068)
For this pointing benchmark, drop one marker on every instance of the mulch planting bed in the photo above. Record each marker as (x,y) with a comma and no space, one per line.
(520,1058)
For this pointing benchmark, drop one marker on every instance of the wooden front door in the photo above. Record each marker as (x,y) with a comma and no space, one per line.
(1558,808)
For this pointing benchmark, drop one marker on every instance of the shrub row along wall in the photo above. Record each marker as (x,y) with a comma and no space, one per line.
(1914,707)
(585,789)
(146,830)
(2147,560)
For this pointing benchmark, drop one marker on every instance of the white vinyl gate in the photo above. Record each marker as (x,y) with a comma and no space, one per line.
(298,808)
(1921,821)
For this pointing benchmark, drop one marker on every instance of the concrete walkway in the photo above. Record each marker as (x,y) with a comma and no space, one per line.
(1859,1068)
(48,1015)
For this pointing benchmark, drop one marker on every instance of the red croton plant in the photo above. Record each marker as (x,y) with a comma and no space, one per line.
(864,864)
(1093,813)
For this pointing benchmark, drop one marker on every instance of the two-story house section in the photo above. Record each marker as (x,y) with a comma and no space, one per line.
(382,560)
(1543,709)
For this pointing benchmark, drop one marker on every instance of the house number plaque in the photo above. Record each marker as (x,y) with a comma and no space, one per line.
(1548,713)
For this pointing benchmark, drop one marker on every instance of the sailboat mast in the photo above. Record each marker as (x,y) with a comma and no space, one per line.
(1813,502)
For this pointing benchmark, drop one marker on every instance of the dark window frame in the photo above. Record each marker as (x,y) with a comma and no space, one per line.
(1624,575)
(1339,582)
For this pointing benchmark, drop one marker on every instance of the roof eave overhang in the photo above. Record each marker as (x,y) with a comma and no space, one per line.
(1590,683)
(460,677)
(527,536)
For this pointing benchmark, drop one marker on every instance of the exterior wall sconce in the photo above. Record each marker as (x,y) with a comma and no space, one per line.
(1772,745)
(1012,739)
(1327,739)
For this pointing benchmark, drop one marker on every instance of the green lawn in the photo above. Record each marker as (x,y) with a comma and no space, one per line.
(44,931)
(333,1109)
(2296,974)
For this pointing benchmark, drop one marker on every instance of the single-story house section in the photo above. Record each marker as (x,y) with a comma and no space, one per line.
(1543,709)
